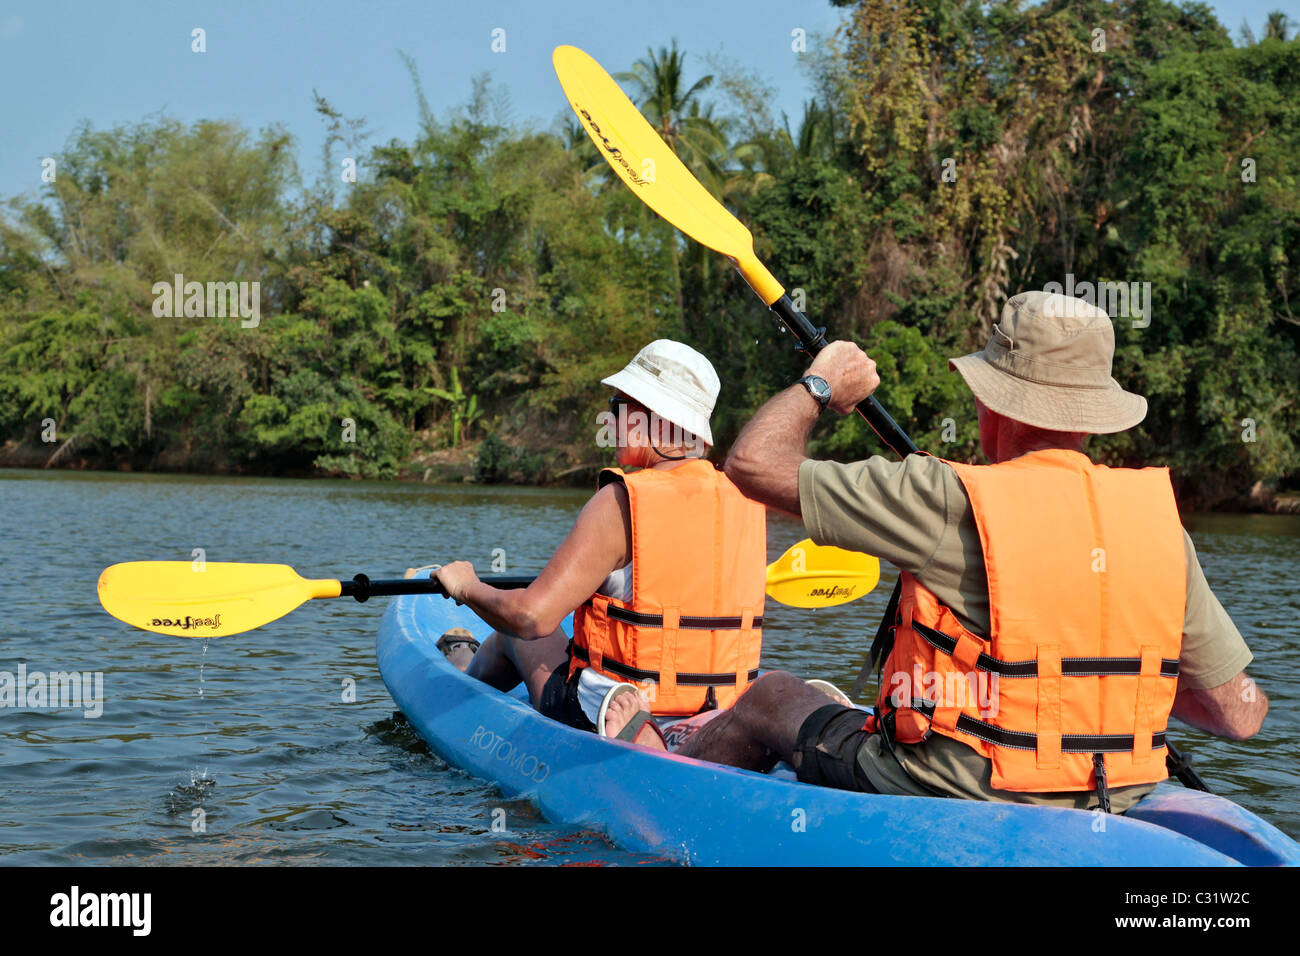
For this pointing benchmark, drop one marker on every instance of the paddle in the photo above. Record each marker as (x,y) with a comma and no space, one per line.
(811,575)
(217,599)
(653,172)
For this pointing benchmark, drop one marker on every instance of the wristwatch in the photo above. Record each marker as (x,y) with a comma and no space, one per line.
(818,388)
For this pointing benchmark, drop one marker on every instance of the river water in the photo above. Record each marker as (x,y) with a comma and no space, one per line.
(277,746)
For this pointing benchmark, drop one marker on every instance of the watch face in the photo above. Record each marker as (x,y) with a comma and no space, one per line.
(819,388)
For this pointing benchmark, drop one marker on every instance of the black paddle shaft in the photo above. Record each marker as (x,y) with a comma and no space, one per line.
(812,340)
(1180,767)
(363,589)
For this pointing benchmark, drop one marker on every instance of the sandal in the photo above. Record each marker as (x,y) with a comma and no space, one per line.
(456,636)
(412,572)
(831,691)
(641,719)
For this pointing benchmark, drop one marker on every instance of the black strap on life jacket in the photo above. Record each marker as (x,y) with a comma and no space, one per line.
(637,674)
(685,621)
(1070,666)
(883,643)
(1103,792)
(1027,740)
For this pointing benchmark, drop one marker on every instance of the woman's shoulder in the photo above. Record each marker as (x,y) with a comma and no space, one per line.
(609,499)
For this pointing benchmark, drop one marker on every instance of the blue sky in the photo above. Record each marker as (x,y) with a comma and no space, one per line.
(109,63)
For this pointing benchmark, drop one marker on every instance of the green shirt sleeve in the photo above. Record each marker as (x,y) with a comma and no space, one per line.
(896,510)
(1213,651)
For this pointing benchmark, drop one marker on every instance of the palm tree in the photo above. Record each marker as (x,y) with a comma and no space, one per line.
(1276,27)
(677,114)
(765,157)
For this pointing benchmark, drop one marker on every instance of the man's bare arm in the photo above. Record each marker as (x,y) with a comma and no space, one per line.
(764,462)
(1235,709)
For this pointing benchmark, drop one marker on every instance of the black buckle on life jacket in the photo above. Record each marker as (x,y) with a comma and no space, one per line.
(1103,792)
(710,701)
(887,722)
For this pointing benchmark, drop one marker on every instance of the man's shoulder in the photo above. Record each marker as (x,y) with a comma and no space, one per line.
(916,465)
(917,483)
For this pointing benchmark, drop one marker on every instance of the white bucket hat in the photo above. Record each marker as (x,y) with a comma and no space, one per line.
(675,382)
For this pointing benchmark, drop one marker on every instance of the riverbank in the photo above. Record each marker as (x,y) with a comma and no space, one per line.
(489,461)
(483,461)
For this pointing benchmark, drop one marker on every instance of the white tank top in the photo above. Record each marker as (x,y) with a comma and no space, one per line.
(619,584)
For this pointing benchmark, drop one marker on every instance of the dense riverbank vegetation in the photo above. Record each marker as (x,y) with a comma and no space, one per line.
(479,281)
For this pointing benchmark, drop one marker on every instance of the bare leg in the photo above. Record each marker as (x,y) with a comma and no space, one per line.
(492,665)
(504,660)
(761,727)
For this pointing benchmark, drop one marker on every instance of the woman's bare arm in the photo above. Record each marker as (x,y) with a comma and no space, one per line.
(599,543)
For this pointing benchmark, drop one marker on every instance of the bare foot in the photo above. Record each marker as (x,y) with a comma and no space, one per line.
(458,646)
(621,710)
(460,654)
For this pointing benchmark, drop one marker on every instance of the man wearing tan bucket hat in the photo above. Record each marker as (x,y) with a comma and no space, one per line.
(1051,613)
(1047,364)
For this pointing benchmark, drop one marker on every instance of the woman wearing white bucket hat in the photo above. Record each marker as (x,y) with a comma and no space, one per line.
(677,385)
(663,572)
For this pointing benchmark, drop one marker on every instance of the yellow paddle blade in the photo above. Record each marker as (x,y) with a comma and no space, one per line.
(814,575)
(205,599)
(652,170)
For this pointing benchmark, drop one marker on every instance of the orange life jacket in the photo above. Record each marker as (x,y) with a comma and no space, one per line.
(691,635)
(1073,688)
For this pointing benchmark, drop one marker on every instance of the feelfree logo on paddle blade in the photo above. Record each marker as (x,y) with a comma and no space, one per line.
(614,153)
(186,623)
(833,593)
(640,157)
(811,575)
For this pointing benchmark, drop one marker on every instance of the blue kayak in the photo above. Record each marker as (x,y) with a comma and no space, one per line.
(707,814)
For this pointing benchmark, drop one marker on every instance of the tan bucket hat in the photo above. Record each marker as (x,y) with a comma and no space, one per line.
(1048,364)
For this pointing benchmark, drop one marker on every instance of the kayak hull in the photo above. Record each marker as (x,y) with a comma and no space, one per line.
(701,813)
